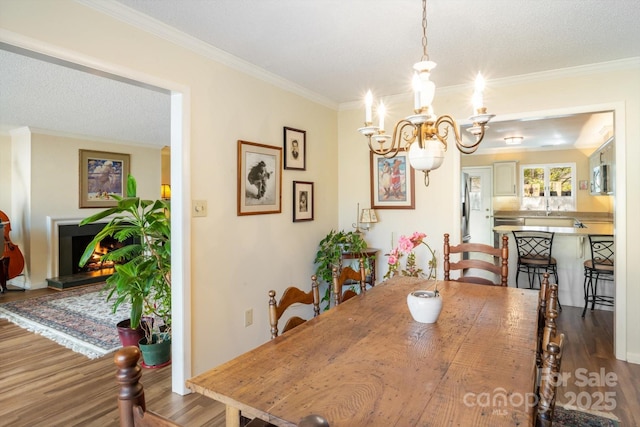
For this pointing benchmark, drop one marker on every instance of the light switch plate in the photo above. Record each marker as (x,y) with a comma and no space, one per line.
(199,208)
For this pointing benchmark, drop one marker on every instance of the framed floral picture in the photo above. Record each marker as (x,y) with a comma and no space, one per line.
(102,174)
(259,178)
(302,201)
(295,149)
(392,182)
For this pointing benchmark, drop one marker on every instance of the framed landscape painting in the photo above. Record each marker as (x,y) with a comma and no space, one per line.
(392,182)
(101,175)
(259,178)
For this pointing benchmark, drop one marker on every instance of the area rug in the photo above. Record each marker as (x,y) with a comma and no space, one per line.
(79,319)
(570,416)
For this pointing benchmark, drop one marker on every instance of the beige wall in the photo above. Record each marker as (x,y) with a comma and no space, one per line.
(585,202)
(47,177)
(5,173)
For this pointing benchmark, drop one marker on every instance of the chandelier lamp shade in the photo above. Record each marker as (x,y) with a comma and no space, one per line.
(424,134)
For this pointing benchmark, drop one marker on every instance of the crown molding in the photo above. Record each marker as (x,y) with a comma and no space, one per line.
(582,70)
(146,23)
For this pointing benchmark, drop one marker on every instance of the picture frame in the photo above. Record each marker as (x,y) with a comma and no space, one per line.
(303,201)
(259,178)
(295,149)
(583,185)
(392,181)
(101,175)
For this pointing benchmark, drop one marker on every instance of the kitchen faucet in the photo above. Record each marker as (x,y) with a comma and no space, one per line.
(548,209)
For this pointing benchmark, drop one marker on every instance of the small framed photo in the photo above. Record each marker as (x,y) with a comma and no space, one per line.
(583,184)
(392,182)
(302,201)
(102,174)
(259,178)
(295,149)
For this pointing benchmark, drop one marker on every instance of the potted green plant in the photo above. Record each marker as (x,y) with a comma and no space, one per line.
(329,255)
(142,270)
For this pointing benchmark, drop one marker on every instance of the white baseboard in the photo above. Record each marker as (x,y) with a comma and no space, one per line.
(633,358)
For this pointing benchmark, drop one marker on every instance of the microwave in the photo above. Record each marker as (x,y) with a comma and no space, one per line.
(601,180)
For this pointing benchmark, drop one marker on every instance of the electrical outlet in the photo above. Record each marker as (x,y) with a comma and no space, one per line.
(199,208)
(248,317)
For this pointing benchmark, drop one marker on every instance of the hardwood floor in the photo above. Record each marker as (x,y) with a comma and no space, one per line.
(44,384)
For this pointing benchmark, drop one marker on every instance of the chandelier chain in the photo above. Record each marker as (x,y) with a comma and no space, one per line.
(425,55)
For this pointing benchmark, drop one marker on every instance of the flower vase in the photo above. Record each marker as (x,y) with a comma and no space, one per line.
(424,306)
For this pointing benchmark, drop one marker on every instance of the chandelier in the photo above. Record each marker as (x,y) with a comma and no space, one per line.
(424,134)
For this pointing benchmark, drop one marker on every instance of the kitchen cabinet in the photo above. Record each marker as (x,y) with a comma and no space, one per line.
(505,179)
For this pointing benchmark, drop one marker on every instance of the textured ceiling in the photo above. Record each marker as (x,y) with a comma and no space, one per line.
(334,49)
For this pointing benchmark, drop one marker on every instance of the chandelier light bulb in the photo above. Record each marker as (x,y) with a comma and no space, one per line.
(368,102)
(381,112)
(478,101)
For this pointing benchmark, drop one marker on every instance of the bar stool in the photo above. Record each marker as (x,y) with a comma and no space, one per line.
(534,255)
(599,267)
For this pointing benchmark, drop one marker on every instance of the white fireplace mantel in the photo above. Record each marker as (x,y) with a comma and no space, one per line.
(53,226)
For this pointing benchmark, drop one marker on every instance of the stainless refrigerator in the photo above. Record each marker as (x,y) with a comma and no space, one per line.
(465,186)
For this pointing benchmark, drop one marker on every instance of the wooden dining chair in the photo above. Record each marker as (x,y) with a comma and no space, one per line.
(547,328)
(292,295)
(543,296)
(550,330)
(499,265)
(552,359)
(348,276)
(131,403)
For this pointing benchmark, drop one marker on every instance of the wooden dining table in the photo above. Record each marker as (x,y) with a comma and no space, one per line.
(366,362)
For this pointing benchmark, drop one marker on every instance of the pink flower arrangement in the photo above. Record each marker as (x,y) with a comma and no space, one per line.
(406,246)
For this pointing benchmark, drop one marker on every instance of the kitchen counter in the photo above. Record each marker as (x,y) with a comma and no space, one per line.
(578,216)
(570,249)
(603,228)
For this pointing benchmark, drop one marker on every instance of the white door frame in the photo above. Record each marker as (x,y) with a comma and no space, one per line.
(180,179)
(620,211)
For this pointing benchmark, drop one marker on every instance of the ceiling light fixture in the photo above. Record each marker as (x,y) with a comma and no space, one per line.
(513,140)
(427,136)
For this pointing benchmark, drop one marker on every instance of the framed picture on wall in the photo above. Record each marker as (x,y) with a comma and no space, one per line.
(392,182)
(102,174)
(302,201)
(295,149)
(259,178)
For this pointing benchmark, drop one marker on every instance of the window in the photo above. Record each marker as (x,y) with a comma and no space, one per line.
(548,187)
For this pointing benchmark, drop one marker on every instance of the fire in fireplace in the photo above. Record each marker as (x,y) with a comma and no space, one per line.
(103,247)
(72,241)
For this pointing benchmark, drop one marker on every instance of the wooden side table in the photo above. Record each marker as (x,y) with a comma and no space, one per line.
(369,253)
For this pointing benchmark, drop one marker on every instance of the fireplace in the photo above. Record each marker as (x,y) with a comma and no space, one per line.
(69,241)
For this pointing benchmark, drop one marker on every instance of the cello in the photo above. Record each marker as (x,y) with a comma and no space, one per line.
(13,257)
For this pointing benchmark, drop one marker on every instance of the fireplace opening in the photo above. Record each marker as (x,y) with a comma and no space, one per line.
(72,241)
